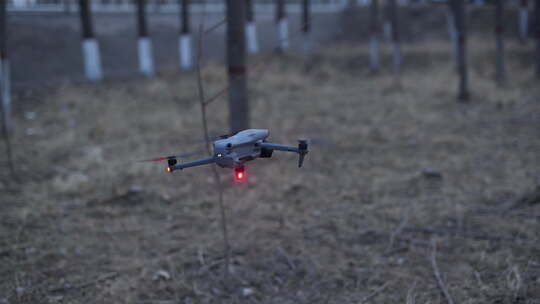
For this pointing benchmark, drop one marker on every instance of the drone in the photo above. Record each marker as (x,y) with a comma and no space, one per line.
(233,151)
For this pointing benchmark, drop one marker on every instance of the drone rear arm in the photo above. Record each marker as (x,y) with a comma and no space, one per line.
(302,149)
(271,146)
(199,162)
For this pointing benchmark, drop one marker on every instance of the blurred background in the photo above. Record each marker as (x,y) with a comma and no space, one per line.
(421,184)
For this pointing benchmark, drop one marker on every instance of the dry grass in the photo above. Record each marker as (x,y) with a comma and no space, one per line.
(359,215)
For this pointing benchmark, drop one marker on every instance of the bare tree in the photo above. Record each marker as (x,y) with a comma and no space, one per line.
(396,41)
(375,37)
(282,26)
(67,6)
(251,29)
(236,62)
(146,62)
(306,29)
(4,67)
(458,7)
(499,36)
(537,33)
(90,46)
(185,36)
(158,4)
(523,20)
(452,31)
(5,93)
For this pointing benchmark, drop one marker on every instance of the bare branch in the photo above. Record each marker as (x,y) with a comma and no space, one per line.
(374,293)
(216,96)
(472,235)
(397,231)
(203,105)
(104,277)
(262,63)
(438,277)
(290,262)
(215,26)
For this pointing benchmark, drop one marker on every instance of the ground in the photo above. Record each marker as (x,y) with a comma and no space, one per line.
(401,182)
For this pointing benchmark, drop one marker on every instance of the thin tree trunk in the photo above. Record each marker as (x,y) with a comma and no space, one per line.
(499,33)
(184,12)
(306,30)
(4,68)
(236,62)
(142,26)
(86,19)
(67,6)
(282,26)
(459,13)
(452,31)
(185,47)
(157,5)
(251,29)
(375,37)
(146,63)
(5,92)
(523,20)
(396,42)
(203,103)
(537,34)
(90,46)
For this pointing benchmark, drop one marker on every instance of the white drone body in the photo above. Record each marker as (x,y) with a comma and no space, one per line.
(233,151)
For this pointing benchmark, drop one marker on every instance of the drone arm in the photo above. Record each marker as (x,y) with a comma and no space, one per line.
(199,162)
(271,146)
(302,149)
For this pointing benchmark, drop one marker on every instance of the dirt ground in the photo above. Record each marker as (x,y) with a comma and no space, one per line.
(399,176)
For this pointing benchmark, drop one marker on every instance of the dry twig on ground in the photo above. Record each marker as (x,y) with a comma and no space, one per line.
(438,277)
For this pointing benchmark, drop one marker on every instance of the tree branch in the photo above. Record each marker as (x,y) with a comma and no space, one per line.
(203,105)
(438,277)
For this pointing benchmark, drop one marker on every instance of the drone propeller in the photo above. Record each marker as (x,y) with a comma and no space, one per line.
(171,160)
(213,137)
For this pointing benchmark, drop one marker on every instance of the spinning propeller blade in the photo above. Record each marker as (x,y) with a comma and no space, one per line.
(169,158)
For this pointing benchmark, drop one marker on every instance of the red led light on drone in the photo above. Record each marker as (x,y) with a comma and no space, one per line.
(239,174)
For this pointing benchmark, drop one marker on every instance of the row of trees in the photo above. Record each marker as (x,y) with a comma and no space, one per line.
(457,28)
(241,26)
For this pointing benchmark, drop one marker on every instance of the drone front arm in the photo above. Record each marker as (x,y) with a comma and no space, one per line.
(199,162)
(271,146)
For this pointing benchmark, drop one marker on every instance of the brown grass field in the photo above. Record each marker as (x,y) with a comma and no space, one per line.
(396,173)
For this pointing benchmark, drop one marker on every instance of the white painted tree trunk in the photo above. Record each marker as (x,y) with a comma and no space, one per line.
(186,57)
(23,3)
(523,23)
(374,49)
(251,37)
(92,59)
(146,60)
(6,92)
(283,33)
